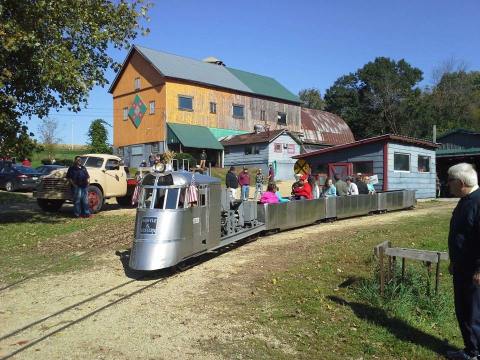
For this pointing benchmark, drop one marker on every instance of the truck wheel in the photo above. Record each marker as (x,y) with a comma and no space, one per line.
(9,186)
(125,200)
(95,199)
(50,205)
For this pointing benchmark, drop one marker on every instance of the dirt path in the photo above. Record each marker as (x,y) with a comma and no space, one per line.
(173,319)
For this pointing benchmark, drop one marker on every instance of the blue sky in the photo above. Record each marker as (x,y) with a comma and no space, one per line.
(302,44)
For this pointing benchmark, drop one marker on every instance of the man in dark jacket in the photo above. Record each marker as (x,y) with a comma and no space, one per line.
(231,182)
(362,187)
(464,252)
(78,176)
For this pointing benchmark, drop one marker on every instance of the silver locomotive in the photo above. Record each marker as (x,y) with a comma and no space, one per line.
(182,215)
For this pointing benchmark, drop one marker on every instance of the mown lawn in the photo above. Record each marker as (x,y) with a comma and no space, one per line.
(32,241)
(327,305)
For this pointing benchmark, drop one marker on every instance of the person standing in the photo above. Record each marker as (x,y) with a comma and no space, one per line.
(271,174)
(259,179)
(78,176)
(342,187)
(330,189)
(464,253)
(362,187)
(203,159)
(231,182)
(244,181)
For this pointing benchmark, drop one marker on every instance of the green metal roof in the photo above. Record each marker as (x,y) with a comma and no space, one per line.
(192,136)
(219,133)
(181,67)
(264,85)
(457,152)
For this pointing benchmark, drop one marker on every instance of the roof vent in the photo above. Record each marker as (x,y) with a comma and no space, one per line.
(213,60)
(258,129)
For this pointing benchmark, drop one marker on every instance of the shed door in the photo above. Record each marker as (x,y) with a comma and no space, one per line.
(342,169)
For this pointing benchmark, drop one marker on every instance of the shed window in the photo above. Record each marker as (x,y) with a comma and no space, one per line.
(291,148)
(401,162)
(423,164)
(213,107)
(363,167)
(238,111)
(262,115)
(152,107)
(185,103)
(125,113)
(137,83)
(282,118)
(277,147)
(137,150)
(252,149)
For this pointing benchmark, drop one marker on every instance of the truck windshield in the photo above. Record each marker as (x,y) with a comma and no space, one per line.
(94,162)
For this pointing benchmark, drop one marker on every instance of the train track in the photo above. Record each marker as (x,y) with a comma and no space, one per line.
(45,327)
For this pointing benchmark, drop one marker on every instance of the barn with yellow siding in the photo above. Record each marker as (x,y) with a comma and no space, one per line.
(164,101)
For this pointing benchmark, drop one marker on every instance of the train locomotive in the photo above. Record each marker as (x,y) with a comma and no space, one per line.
(170,227)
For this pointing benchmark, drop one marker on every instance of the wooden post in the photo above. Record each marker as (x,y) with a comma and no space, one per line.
(394,266)
(429,272)
(403,268)
(382,274)
(437,274)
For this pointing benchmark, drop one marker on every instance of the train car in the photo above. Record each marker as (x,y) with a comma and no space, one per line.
(182,215)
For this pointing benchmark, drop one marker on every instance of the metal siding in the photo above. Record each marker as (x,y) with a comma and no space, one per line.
(323,127)
(459,140)
(423,183)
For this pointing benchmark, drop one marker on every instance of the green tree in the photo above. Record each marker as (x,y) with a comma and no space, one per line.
(374,100)
(98,135)
(54,52)
(311,98)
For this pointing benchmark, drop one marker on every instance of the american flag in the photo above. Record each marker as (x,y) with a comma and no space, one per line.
(192,192)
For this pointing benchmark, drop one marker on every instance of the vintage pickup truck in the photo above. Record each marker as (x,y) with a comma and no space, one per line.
(108,179)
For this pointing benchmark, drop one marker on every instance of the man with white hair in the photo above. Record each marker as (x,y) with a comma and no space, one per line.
(464,252)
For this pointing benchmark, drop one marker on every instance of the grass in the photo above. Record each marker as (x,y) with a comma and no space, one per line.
(60,152)
(9,198)
(33,241)
(327,305)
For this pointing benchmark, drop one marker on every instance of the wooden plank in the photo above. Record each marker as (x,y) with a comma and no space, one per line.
(381,251)
(383,245)
(420,255)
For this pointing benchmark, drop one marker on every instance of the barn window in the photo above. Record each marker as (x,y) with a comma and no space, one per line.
(238,111)
(401,162)
(213,107)
(282,118)
(423,163)
(185,103)
(152,107)
(125,113)
(262,115)
(137,83)
(363,167)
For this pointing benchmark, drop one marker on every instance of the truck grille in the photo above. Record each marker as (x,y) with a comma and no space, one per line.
(60,185)
(53,188)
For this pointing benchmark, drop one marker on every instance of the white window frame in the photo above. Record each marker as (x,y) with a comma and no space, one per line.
(152,107)
(125,113)
(213,107)
(409,162)
(137,83)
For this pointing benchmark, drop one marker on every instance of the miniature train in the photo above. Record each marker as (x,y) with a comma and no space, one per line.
(169,228)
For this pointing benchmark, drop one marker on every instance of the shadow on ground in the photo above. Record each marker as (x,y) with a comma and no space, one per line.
(397,327)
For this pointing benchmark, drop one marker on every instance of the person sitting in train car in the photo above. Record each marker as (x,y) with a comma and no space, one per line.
(352,187)
(280,197)
(362,187)
(296,183)
(269,196)
(330,189)
(371,189)
(304,191)
(340,185)
(158,166)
